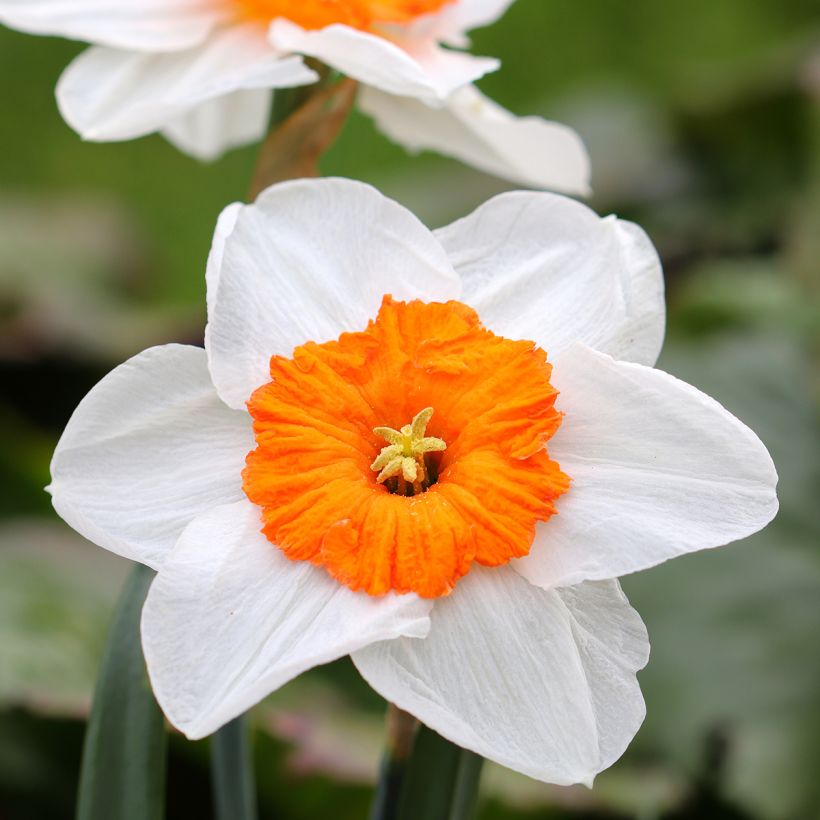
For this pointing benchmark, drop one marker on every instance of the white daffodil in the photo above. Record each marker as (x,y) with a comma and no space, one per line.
(202,72)
(373,457)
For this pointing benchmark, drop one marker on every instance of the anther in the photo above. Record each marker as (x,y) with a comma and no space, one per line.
(404,456)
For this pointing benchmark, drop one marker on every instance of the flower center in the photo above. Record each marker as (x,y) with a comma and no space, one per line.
(383,505)
(360,14)
(403,465)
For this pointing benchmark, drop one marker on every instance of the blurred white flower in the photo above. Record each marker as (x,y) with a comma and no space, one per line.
(202,73)
(245,473)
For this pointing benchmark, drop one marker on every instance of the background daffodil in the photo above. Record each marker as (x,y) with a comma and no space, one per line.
(202,73)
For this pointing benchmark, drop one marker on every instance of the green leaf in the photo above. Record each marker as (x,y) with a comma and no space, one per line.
(123,768)
(441,780)
(232,772)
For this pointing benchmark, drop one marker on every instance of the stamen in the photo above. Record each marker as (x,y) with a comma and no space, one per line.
(404,456)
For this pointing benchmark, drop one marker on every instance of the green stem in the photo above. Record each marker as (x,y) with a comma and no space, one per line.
(401,731)
(287,101)
(465,790)
(232,772)
(441,782)
(424,776)
(305,122)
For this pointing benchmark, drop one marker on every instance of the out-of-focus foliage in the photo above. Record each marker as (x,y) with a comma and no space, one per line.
(56,596)
(703,120)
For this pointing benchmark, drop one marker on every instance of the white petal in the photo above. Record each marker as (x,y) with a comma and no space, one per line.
(107,94)
(658,469)
(310,260)
(474,13)
(141,25)
(217,126)
(147,450)
(453,20)
(528,150)
(414,68)
(540,681)
(224,228)
(543,267)
(229,619)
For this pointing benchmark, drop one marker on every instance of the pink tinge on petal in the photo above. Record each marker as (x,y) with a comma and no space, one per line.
(470,127)
(406,67)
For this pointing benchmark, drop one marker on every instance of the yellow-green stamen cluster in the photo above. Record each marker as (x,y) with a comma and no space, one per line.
(403,458)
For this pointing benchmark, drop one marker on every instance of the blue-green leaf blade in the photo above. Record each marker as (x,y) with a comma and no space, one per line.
(234,785)
(441,780)
(124,756)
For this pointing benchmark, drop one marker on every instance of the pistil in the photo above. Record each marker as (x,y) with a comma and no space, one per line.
(404,457)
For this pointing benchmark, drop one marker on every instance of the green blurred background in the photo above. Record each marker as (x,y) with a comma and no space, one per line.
(703,121)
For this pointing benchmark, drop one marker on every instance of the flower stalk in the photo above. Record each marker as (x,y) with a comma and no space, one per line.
(401,732)
(424,776)
(304,125)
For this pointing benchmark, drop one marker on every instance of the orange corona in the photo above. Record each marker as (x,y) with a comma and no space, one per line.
(398,456)
(361,14)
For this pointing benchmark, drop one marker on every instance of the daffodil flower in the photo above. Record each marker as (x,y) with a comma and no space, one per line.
(506,362)
(202,72)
